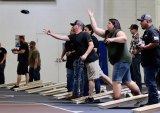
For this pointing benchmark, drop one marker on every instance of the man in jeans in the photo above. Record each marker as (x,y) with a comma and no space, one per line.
(150,57)
(84,50)
(34,62)
(136,55)
(68,50)
(3,55)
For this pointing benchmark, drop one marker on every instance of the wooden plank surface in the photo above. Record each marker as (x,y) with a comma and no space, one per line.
(63,95)
(116,103)
(98,96)
(54,91)
(147,109)
(45,88)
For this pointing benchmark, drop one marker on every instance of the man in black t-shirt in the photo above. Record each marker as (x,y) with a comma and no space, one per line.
(3,55)
(150,57)
(84,50)
(69,52)
(23,54)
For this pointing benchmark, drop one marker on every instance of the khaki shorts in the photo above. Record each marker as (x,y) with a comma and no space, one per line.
(93,70)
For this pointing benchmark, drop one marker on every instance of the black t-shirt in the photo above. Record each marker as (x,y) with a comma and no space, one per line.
(80,42)
(151,56)
(96,43)
(3,51)
(69,46)
(23,57)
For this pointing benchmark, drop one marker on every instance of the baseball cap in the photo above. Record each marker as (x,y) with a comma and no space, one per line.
(134,26)
(77,22)
(145,17)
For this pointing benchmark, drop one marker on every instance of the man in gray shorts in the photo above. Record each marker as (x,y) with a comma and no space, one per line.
(84,49)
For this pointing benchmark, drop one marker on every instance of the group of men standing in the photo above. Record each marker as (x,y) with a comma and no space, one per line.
(28,55)
(145,50)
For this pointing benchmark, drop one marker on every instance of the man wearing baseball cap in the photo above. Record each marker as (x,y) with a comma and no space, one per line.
(150,56)
(136,55)
(84,51)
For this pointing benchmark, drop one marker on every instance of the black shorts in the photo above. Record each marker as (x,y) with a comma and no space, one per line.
(22,68)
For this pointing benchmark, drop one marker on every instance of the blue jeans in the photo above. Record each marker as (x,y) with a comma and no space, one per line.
(86,83)
(78,84)
(34,74)
(97,85)
(70,74)
(121,72)
(136,70)
(2,77)
(150,73)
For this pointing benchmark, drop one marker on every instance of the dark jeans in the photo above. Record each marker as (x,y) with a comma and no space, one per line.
(34,74)
(78,84)
(97,85)
(2,77)
(70,74)
(136,74)
(158,80)
(150,73)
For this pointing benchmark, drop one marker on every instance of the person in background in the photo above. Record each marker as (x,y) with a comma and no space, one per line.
(69,52)
(136,55)
(150,56)
(88,29)
(23,54)
(3,55)
(34,62)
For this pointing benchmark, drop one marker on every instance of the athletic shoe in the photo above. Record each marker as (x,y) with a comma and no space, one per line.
(14,87)
(89,100)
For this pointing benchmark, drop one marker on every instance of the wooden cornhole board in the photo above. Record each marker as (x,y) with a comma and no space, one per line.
(46,88)
(147,109)
(117,103)
(10,107)
(99,96)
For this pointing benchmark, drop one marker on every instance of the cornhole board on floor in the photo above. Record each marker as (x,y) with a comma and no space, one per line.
(10,84)
(30,85)
(31,108)
(23,84)
(124,101)
(117,103)
(54,91)
(147,109)
(99,96)
(63,95)
(45,88)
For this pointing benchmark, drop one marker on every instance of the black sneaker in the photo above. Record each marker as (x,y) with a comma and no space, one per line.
(89,100)
(14,87)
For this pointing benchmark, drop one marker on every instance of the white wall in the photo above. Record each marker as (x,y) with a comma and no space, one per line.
(56,16)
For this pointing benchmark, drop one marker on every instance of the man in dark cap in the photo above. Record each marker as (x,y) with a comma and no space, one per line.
(136,55)
(34,62)
(84,49)
(150,57)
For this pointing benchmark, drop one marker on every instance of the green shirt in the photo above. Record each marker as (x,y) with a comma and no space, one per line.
(117,51)
(33,54)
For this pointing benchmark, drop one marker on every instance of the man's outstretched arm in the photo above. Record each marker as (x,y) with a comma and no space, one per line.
(56,36)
